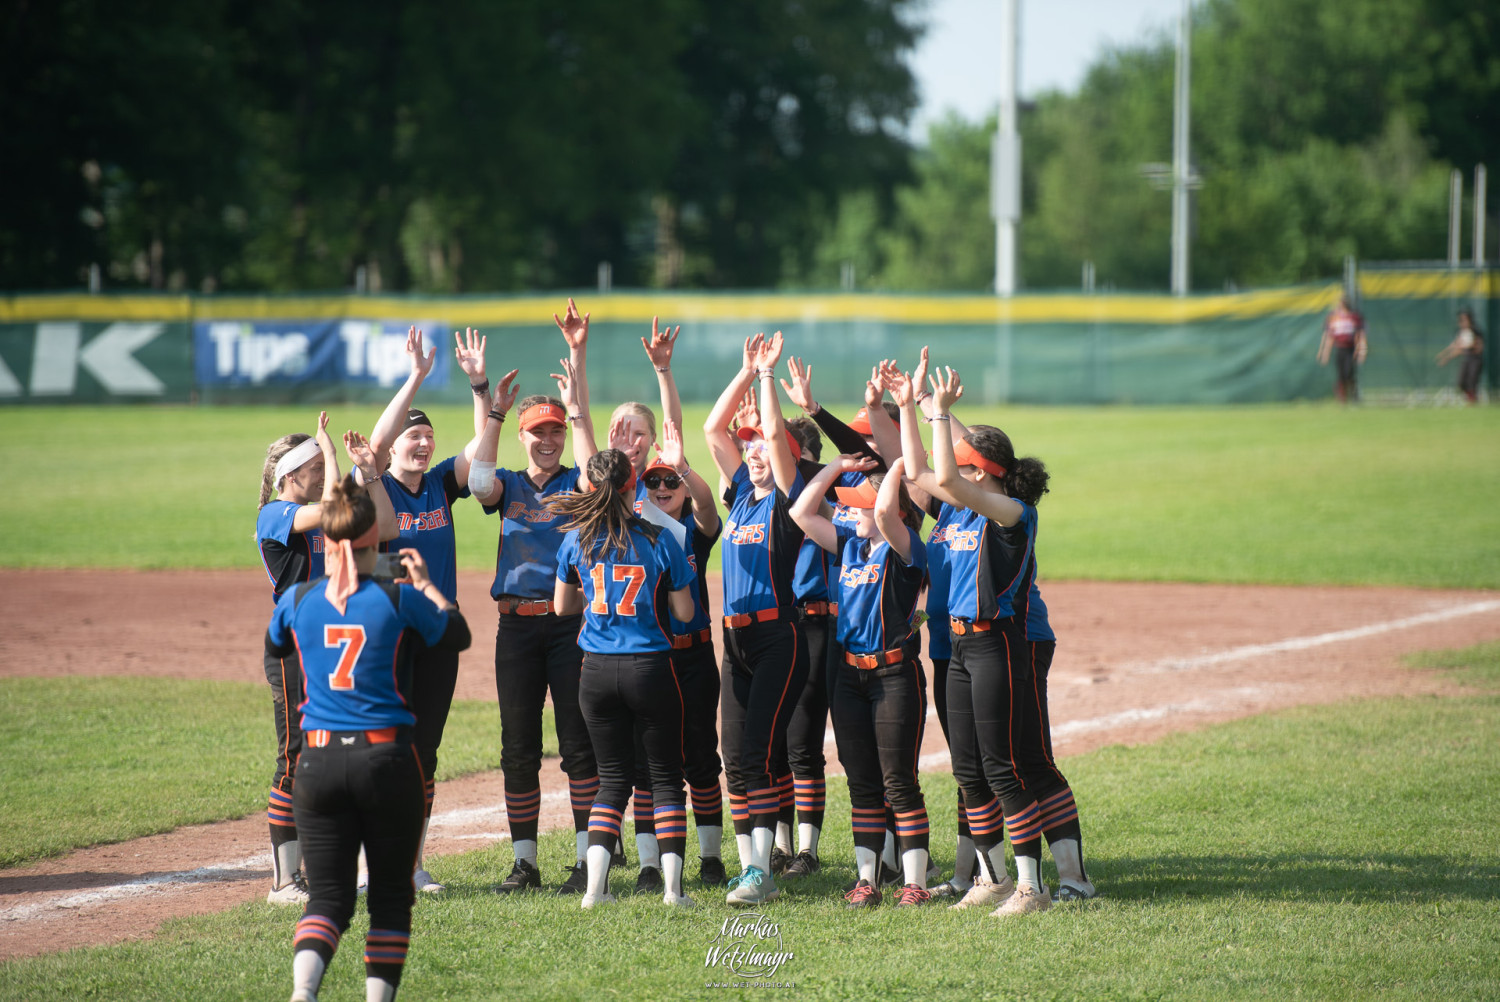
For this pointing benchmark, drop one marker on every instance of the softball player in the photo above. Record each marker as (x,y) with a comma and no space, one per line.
(1468,344)
(624,575)
(765,650)
(536,647)
(1344,338)
(999,752)
(422,494)
(880,692)
(358,778)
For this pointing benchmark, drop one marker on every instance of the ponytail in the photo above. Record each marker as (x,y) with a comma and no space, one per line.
(603,516)
(1025,479)
(274,452)
(348,513)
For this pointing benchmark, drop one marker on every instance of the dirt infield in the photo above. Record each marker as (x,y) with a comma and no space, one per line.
(1134,662)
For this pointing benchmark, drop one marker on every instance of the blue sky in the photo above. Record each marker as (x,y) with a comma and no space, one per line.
(956,64)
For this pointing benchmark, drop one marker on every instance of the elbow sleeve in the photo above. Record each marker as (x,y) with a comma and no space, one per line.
(481,478)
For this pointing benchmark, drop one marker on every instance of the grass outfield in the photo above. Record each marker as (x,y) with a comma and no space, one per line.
(88,760)
(1337,852)
(1277,494)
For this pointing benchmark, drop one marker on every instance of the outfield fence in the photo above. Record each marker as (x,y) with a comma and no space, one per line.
(1250,347)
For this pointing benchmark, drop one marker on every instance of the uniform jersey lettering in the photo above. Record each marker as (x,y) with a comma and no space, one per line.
(422,521)
(742,535)
(866,574)
(963,539)
(633,576)
(317,541)
(350,640)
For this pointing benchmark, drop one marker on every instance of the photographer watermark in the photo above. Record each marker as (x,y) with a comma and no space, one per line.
(747,952)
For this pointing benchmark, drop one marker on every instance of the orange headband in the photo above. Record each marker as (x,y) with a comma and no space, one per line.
(966,455)
(338,559)
(543,413)
(862,496)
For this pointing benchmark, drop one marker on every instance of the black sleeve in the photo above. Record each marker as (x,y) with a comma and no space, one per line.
(845,439)
(452,489)
(456,637)
(277,652)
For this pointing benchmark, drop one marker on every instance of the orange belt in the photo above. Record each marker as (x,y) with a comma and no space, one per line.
(683,641)
(963,627)
(525,607)
(821,608)
(743,619)
(883,659)
(321,738)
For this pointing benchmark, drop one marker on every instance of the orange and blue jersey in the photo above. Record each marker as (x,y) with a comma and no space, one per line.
(625,607)
(356,667)
(939,637)
(760,546)
(817,570)
(990,565)
(703,545)
(288,557)
(526,557)
(1037,626)
(878,593)
(424,518)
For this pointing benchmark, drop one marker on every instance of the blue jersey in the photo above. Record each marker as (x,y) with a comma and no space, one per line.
(526,559)
(625,594)
(990,565)
(703,545)
(939,637)
(288,557)
(760,546)
(878,593)
(1037,626)
(425,519)
(355,668)
(817,569)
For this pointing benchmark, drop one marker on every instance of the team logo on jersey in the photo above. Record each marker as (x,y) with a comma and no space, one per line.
(942,534)
(518,512)
(867,574)
(963,539)
(423,521)
(317,541)
(744,535)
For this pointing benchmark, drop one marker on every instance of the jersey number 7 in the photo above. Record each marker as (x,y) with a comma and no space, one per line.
(350,640)
(633,574)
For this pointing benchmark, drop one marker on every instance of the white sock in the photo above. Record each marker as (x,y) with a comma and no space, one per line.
(671,874)
(1029,872)
(598,863)
(307,972)
(284,863)
(581,845)
(784,837)
(710,840)
(649,851)
(743,844)
(1068,855)
(888,854)
(422,846)
(866,861)
(965,858)
(807,837)
(379,990)
(760,848)
(914,867)
(994,862)
(526,849)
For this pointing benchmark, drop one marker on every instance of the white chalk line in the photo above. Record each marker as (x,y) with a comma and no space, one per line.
(1073,728)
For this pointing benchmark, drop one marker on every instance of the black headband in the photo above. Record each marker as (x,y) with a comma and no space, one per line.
(413,418)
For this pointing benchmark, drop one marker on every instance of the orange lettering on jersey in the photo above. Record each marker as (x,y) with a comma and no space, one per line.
(854,577)
(744,535)
(351,640)
(634,575)
(963,539)
(516,509)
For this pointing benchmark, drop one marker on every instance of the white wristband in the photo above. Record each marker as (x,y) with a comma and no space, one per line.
(481,478)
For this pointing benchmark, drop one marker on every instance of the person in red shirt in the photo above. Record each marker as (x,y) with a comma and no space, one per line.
(1344,340)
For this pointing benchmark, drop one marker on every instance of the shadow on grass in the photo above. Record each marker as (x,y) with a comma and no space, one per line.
(1380,877)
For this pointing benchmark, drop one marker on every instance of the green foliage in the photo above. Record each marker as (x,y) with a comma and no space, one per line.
(1232,863)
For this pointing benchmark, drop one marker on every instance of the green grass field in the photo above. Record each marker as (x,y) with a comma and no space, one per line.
(1277,494)
(1233,863)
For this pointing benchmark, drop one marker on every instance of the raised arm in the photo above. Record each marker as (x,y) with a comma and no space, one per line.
(882,429)
(310,517)
(808,510)
(951,485)
(721,446)
(923,396)
(844,438)
(383,435)
(888,511)
(482,483)
(575,331)
(659,349)
(362,458)
(772,425)
(705,512)
(571,389)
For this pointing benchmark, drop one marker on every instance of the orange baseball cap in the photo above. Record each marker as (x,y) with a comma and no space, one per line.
(861,422)
(747,432)
(659,464)
(966,455)
(543,413)
(862,496)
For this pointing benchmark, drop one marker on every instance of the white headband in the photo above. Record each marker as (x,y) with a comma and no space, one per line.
(294,459)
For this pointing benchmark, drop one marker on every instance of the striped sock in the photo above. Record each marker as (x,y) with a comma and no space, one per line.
(521,811)
(429,790)
(739,813)
(279,812)
(317,933)
(385,954)
(1057,811)
(582,792)
(811,795)
(986,824)
(763,806)
(1025,829)
(604,825)
(911,829)
(671,828)
(708,805)
(869,827)
(644,813)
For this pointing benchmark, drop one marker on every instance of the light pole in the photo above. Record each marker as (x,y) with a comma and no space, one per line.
(1005,154)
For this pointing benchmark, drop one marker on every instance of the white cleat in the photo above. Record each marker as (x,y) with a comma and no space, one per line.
(1026,900)
(294,893)
(1081,891)
(680,900)
(590,900)
(422,881)
(984,894)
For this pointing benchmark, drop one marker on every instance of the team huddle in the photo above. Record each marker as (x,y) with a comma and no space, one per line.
(603,602)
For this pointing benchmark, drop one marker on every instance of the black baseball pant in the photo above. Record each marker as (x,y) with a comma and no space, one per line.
(285,677)
(697,671)
(434,677)
(879,715)
(764,670)
(808,727)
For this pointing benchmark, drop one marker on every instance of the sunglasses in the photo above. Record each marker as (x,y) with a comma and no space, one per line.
(655,480)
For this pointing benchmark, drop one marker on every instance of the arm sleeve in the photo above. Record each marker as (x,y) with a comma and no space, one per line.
(452,489)
(845,439)
(438,628)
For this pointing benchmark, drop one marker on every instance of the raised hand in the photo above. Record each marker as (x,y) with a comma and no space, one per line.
(574,327)
(505,393)
(362,456)
(619,437)
(659,348)
(752,350)
(322,433)
(799,390)
(421,362)
(856,464)
(567,385)
(468,349)
(897,382)
(671,444)
(747,414)
(919,374)
(946,389)
(769,352)
(875,386)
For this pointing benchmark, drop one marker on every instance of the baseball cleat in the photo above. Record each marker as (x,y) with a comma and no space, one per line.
(863,895)
(1076,892)
(753,887)
(619,861)
(649,880)
(947,889)
(678,900)
(301,996)
(805,864)
(1026,900)
(523,876)
(292,893)
(985,894)
(590,900)
(780,860)
(912,895)
(422,881)
(886,877)
(711,871)
(577,882)
(934,874)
